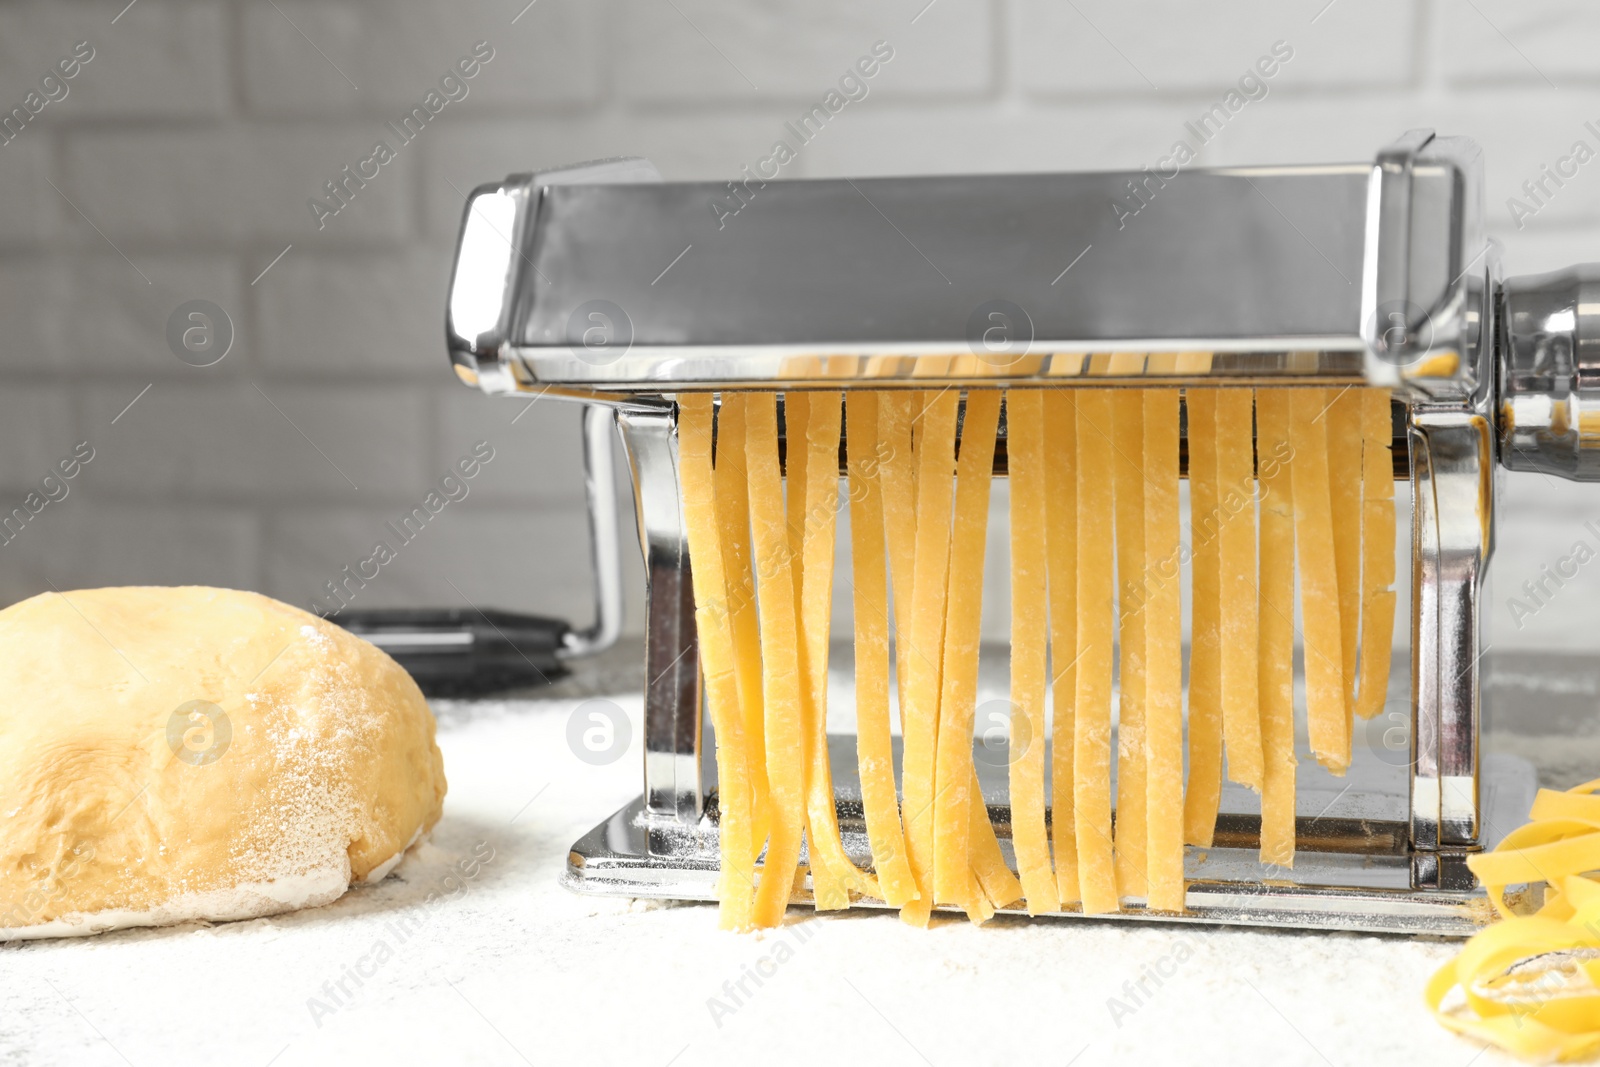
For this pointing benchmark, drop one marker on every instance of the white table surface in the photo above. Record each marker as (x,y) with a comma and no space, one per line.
(511,968)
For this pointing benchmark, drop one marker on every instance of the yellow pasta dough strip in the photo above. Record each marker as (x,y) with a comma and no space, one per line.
(796,406)
(898,474)
(996,885)
(999,886)
(733,518)
(1205,653)
(935,489)
(816,612)
(1128,476)
(898,412)
(1345,462)
(1276,663)
(1237,592)
(1163,681)
(796,409)
(952,878)
(1030,631)
(1578,805)
(1541,851)
(827,887)
(1326,722)
(1091,753)
(1061,548)
(874,752)
(1377,552)
(715,639)
(780,679)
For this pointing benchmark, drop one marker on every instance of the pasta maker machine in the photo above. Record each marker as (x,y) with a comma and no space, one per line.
(603,284)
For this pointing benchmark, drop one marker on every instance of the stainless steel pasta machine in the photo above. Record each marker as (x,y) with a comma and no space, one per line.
(605,285)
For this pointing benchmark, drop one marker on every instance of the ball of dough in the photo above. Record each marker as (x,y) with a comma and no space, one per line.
(169,754)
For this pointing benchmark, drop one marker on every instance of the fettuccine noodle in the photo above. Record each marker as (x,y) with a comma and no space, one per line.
(1097,569)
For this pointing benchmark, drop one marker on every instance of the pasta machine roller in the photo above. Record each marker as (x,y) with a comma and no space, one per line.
(603,284)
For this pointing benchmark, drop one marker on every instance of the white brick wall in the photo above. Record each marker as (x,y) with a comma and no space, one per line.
(1101,48)
(220,187)
(36,429)
(29,210)
(89,542)
(180,162)
(276,443)
(549,60)
(1551,40)
(333,314)
(712,54)
(170,62)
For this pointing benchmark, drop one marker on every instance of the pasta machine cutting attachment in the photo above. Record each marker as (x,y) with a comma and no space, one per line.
(603,284)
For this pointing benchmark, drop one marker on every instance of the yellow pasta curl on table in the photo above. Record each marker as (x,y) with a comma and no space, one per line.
(1530,984)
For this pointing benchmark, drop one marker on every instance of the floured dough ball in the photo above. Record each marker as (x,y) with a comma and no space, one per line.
(194,753)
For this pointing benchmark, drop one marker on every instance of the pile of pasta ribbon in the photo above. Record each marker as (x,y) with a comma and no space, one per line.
(1283,482)
(1530,984)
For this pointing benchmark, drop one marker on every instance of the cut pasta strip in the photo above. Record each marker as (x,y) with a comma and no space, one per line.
(898,474)
(1344,487)
(1205,655)
(827,888)
(999,886)
(1277,627)
(780,676)
(1061,546)
(1163,682)
(1377,552)
(874,752)
(935,488)
(1326,722)
(816,612)
(1128,476)
(733,519)
(796,412)
(953,881)
(1029,632)
(1097,874)
(1236,589)
(736,880)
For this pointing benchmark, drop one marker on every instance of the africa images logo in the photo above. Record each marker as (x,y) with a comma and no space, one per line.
(199,732)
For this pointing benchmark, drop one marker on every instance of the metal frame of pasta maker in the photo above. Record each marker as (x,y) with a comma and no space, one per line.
(603,284)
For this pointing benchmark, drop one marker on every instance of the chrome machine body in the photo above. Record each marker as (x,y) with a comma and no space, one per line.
(603,284)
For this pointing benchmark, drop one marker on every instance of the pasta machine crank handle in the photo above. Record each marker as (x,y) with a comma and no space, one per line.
(465,651)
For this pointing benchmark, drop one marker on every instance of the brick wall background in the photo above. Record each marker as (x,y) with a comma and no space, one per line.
(179,165)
